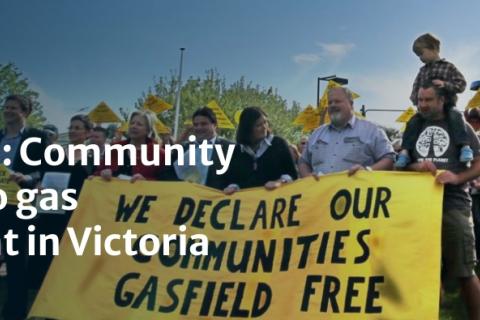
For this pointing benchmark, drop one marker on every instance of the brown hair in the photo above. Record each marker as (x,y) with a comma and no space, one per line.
(24,102)
(83,118)
(426,41)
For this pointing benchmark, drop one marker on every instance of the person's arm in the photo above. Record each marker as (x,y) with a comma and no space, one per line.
(304,169)
(288,173)
(382,164)
(448,177)
(230,178)
(455,81)
(416,86)
(28,178)
(187,131)
(424,166)
(382,150)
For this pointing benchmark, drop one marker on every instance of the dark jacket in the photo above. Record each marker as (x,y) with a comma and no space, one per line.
(247,172)
(34,152)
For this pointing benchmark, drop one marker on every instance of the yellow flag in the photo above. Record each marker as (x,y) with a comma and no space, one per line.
(300,119)
(11,188)
(474,102)
(123,127)
(332,84)
(155,104)
(312,121)
(323,116)
(406,115)
(222,119)
(102,113)
(236,116)
(161,127)
(359,115)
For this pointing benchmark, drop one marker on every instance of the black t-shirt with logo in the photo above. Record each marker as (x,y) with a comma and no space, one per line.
(435,144)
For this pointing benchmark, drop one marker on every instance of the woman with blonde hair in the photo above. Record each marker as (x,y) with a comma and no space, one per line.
(141,131)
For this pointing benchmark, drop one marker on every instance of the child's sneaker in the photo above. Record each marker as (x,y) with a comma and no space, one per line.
(402,160)
(466,154)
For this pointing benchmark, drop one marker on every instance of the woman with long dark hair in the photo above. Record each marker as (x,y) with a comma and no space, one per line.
(260,158)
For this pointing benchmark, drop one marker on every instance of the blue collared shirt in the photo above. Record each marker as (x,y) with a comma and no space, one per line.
(330,149)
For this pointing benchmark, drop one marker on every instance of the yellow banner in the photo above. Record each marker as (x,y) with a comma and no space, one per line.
(11,188)
(361,247)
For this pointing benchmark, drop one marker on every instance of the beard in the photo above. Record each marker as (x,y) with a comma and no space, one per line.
(337,119)
(428,115)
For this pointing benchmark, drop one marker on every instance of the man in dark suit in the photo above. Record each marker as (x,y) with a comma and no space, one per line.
(16,110)
(204,128)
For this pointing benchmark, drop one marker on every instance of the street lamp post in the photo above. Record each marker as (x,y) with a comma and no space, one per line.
(338,80)
(178,96)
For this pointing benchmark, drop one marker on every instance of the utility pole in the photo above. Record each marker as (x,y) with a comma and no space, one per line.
(177,99)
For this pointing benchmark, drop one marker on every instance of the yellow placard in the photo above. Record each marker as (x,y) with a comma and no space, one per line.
(222,120)
(123,127)
(311,122)
(338,248)
(406,115)
(332,84)
(359,115)
(474,102)
(236,116)
(11,188)
(102,113)
(155,104)
(324,117)
(303,115)
(161,127)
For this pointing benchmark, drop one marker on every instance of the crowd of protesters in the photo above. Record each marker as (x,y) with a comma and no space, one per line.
(263,159)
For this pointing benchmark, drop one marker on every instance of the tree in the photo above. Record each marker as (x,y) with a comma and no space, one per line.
(197,92)
(13,82)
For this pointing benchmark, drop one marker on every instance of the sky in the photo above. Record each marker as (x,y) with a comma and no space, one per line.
(78,53)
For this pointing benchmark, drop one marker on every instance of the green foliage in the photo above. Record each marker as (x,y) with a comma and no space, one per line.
(13,82)
(197,92)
